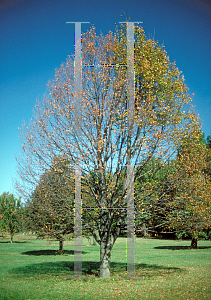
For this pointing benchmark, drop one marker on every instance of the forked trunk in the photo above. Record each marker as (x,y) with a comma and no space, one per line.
(60,245)
(105,255)
(194,243)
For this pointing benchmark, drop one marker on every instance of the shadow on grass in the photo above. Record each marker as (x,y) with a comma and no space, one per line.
(50,252)
(14,242)
(180,247)
(66,268)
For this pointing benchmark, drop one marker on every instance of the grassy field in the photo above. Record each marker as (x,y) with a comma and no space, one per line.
(33,269)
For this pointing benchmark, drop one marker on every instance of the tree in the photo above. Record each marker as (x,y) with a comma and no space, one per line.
(150,188)
(101,142)
(10,214)
(190,208)
(49,211)
(208,156)
(181,201)
(208,142)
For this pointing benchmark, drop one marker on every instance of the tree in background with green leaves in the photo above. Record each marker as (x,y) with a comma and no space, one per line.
(50,210)
(10,214)
(188,201)
(150,187)
(207,143)
(176,196)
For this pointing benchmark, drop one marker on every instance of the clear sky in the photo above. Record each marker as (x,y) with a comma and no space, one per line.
(35,40)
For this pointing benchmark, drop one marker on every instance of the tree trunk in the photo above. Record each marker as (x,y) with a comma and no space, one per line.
(11,239)
(194,243)
(60,245)
(105,255)
(89,240)
(145,230)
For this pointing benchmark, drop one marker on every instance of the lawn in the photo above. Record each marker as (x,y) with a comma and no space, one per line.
(32,269)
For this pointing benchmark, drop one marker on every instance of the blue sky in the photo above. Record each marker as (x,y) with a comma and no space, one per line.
(35,40)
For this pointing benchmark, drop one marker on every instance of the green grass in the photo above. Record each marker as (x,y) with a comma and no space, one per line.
(32,269)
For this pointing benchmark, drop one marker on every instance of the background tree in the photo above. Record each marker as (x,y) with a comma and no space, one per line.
(150,187)
(207,170)
(181,202)
(49,211)
(190,208)
(208,142)
(100,144)
(10,214)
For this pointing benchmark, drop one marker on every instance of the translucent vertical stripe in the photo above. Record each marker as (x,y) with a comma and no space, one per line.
(130,76)
(130,168)
(78,225)
(78,100)
(130,223)
(78,202)
(78,76)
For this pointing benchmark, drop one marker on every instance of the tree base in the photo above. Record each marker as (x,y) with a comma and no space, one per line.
(132,278)
(193,243)
(78,277)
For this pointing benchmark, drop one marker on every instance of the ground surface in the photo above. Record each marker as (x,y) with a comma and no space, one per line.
(32,269)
